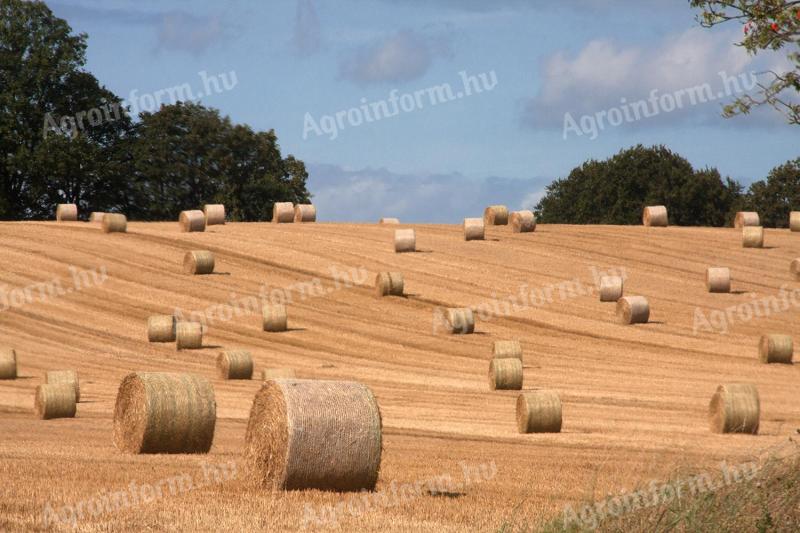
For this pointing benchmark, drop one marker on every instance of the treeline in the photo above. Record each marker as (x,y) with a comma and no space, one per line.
(614,191)
(64,138)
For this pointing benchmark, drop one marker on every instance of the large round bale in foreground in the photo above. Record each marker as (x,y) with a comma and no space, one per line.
(8,363)
(746,218)
(64,377)
(198,262)
(215,214)
(389,284)
(776,349)
(161,328)
(278,373)
(282,212)
(794,221)
(495,215)
(235,364)
(504,349)
(164,413)
(735,408)
(66,212)
(655,216)
(115,223)
(523,222)
(460,320)
(539,411)
(633,310)
(305,213)
(389,220)
(474,229)
(611,288)
(718,279)
(405,240)
(752,237)
(192,221)
(274,317)
(96,216)
(55,401)
(505,374)
(314,434)
(189,335)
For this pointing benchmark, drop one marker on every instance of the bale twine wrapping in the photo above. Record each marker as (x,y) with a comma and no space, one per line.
(55,401)
(96,216)
(405,240)
(314,434)
(505,374)
(752,237)
(735,408)
(277,373)
(189,335)
(506,349)
(474,229)
(655,215)
(115,223)
(235,364)
(198,262)
(191,221)
(523,222)
(282,212)
(746,218)
(66,212)
(794,221)
(718,279)
(388,220)
(495,215)
(274,317)
(8,363)
(161,328)
(67,377)
(215,214)
(160,412)
(389,284)
(633,310)
(776,349)
(305,213)
(460,320)
(611,288)
(794,268)
(539,411)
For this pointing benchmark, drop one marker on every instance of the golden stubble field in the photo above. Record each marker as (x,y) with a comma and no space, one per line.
(634,397)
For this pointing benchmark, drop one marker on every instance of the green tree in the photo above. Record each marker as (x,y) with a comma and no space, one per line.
(774,198)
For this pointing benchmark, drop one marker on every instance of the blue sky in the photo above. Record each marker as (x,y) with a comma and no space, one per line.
(290,61)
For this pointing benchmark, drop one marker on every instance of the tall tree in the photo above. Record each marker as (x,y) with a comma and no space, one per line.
(774,198)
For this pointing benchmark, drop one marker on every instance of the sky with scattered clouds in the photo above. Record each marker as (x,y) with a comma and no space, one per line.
(354,88)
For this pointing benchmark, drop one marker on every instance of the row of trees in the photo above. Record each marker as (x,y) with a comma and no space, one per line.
(179,157)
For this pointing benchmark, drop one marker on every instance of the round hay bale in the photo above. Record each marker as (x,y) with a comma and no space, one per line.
(160,412)
(405,240)
(235,364)
(539,411)
(189,335)
(523,222)
(305,213)
(282,212)
(633,310)
(161,328)
(495,215)
(274,317)
(389,284)
(198,262)
(8,363)
(611,288)
(215,214)
(794,268)
(68,377)
(776,349)
(386,220)
(752,237)
(460,320)
(505,349)
(735,408)
(66,212)
(277,373)
(794,221)
(505,374)
(115,223)
(314,434)
(474,229)
(96,216)
(718,279)
(655,216)
(193,220)
(746,218)
(55,401)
